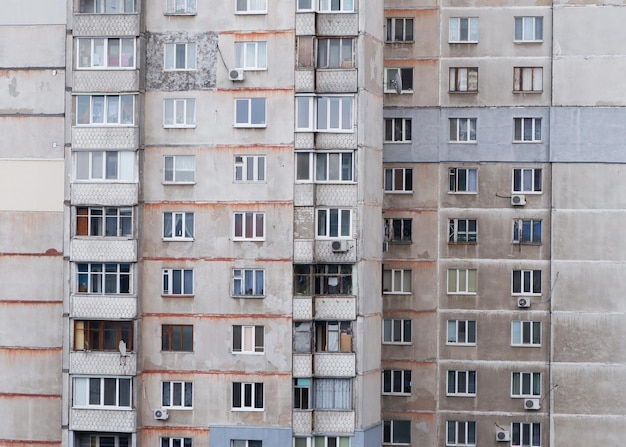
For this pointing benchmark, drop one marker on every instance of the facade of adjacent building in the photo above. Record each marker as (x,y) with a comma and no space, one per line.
(311,223)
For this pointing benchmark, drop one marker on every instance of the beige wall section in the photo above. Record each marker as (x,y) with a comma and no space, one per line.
(32,92)
(32,185)
(19,49)
(33,12)
(36,419)
(47,269)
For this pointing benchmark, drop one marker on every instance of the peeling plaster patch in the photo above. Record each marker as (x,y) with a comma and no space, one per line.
(13,88)
(202,78)
(423,427)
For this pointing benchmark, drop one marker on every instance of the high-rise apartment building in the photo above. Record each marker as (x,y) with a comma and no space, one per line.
(311,223)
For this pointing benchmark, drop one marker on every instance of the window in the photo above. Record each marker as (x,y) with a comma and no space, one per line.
(250,112)
(396,432)
(335,53)
(397,281)
(245,443)
(251,55)
(396,381)
(333,394)
(526,231)
(461,383)
(177,337)
(461,332)
(463,130)
(333,223)
(463,180)
(302,337)
(528,29)
(181,7)
(306,5)
(399,29)
(461,281)
(527,129)
(177,282)
(106,6)
(176,442)
(398,130)
(104,392)
(463,30)
(249,226)
(102,440)
(405,75)
(526,282)
(247,396)
(324,441)
(462,230)
(177,395)
(527,79)
(248,282)
(527,180)
(398,230)
(104,221)
(179,169)
(305,57)
(103,53)
(398,180)
(333,336)
(249,168)
(324,113)
(98,279)
(179,113)
(102,335)
(248,339)
(461,433)
(324,167)
(252,6)
(336,5)
(178,225)
(526,434)
(322,279)
(463,80)
(302,394)
(526,384)
(526,333)
(397,331)
(105,165)
(105,110)
(180,56)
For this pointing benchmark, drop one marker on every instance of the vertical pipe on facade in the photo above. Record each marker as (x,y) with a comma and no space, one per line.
(553,283)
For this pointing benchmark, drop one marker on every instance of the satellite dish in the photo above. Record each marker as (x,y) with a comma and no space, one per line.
(397,80)
(122,347)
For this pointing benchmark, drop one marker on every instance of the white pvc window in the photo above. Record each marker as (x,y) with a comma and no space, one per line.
(180,56)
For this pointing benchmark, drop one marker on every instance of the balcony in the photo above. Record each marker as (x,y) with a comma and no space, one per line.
(333,421)
(103,363)
(106,81)
(111,194)
(114,25)
(334,364)
(100,307)
(111,137)
(339,80)
(83,419)
(103,249)
(335,308)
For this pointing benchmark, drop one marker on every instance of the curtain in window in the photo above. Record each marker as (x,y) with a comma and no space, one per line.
(333,394)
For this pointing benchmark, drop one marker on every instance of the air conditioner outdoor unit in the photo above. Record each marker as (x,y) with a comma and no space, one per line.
(235,75)
(160,414)
(339,246)
(518,200)
(532,404)
(502,435)
(523,302)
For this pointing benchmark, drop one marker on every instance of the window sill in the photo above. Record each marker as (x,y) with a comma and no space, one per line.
(403,92)
(397,343)
(463,42)
(528,193)
(398,142)
(248,409)
(396,394)
(248,240)
(523,42)
(397,293)
(462,243)
(399,192)
(253,297)
(177,408)
(525,346)
(250,13)
(178,183)
(172,295)
(462,345)
(250,126)
(472,294)
(463,142)
(173,239)
(179,69)
(106,68)
(463,92)
(399,242)
(464,193)
(533,92)
(101,407)
(335,12)
(191,126)
(400,41)
(531,244)
(526,141)
(461,395)
(180,14)
(247,353)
